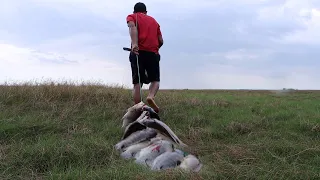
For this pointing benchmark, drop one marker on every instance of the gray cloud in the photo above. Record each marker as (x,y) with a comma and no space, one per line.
(246,40)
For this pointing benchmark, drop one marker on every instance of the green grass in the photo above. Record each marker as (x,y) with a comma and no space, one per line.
(68,132)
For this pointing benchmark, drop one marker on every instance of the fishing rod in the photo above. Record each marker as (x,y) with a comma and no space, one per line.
(126,49)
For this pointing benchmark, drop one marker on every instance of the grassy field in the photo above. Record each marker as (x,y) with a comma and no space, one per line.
(68,132)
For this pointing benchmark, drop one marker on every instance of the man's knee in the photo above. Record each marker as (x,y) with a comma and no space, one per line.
(155,83)
(136,85)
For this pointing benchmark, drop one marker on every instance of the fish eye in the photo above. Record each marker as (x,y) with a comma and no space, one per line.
(178,163)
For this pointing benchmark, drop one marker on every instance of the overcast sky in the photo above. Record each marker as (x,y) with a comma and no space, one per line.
(247,44)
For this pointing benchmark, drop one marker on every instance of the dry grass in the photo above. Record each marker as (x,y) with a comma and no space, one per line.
(67,131)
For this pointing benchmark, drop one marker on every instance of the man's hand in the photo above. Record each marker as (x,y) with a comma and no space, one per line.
(135,48)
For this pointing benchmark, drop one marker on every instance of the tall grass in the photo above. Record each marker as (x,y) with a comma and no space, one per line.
(67,131)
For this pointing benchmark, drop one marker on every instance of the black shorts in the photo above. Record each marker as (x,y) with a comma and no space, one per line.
(148,66)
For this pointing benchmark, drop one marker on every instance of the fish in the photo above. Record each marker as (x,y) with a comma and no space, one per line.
(134,127)
(132,114)
(167,160)
(146,155)
(160,136)
(136,137)
(191,163)
(162,128)
(159,126)
(132,150)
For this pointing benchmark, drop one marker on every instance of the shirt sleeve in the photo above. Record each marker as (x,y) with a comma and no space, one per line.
(130,18)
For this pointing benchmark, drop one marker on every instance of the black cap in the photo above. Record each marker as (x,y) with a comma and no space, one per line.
(140,7)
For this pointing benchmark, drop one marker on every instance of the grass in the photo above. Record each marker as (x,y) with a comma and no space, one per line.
(63,131)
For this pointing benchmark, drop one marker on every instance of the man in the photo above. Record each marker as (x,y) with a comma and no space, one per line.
(146,40)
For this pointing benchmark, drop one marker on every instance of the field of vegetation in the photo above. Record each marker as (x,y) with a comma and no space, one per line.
(68,132)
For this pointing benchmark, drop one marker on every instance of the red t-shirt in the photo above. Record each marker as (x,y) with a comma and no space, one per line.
(148,32)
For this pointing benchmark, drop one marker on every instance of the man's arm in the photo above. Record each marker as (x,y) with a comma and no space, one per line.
(160,39)
(133,32)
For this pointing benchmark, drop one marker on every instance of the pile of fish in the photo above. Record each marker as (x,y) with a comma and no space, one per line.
(150,142)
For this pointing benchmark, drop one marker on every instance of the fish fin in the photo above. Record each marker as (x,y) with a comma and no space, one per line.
(151,111)
(143,115)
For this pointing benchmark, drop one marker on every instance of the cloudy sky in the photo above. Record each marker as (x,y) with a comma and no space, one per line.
(256,44)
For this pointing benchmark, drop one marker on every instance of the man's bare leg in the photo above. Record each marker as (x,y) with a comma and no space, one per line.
(153,89)
(136,93)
